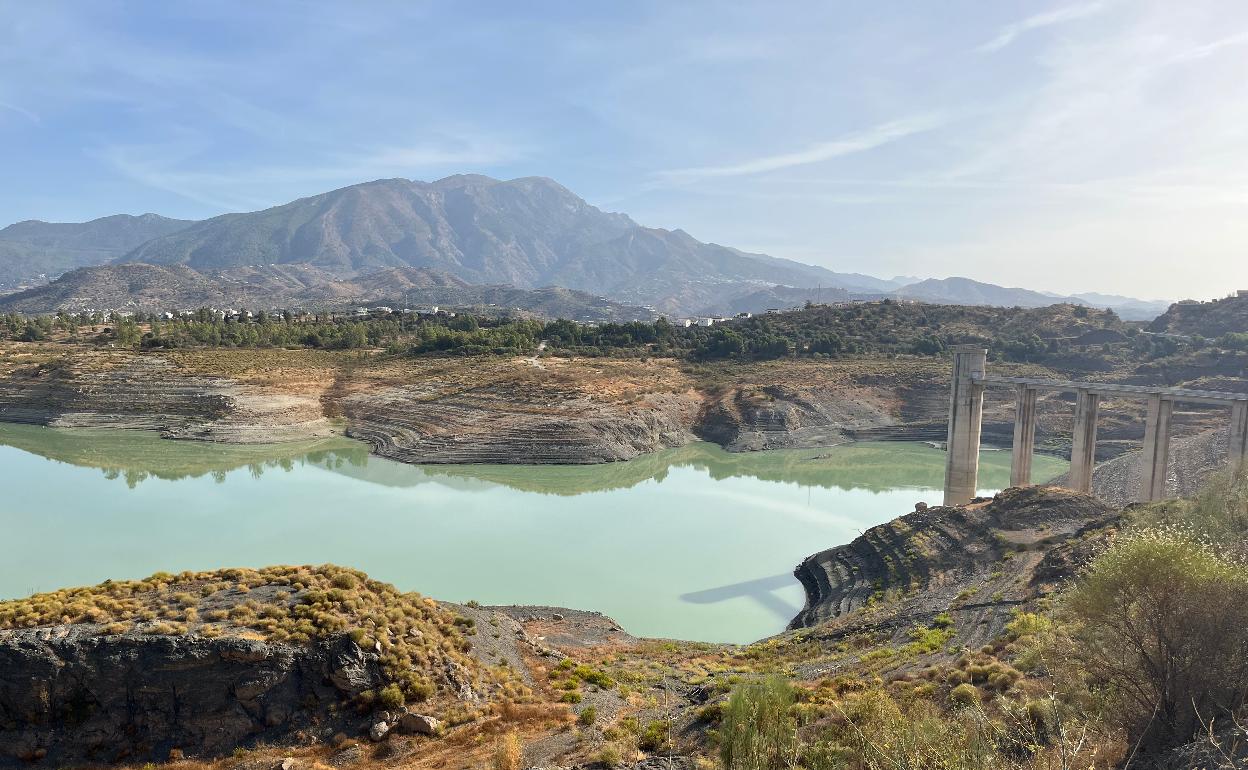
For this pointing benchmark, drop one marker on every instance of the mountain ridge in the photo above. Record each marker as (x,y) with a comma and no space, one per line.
(33,247)
(529,233)
(142,287)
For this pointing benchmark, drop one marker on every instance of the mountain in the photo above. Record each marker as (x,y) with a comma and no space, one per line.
(964,291)
(1128,308)
(528,232)
(775,298)
(32,250)
(154,288)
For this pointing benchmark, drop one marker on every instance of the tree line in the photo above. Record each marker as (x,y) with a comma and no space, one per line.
(1042,335)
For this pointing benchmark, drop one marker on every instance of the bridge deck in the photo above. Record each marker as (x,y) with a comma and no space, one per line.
(1217,397)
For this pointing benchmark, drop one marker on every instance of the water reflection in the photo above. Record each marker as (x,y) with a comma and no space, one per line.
(133,456)
(661,543)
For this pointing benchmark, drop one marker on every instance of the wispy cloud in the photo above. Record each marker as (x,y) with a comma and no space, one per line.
(178,168)
(32,117)
(861,141)
(1011,32)
(1209,49)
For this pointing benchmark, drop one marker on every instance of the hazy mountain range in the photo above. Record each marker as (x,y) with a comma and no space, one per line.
(524,234)
(153,288)
(32,249)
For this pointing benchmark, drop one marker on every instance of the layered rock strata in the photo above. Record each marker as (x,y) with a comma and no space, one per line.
(415,424)
(979,561)
(70,694)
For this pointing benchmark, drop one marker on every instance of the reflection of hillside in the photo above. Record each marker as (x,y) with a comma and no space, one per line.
(137,455)
(873,466)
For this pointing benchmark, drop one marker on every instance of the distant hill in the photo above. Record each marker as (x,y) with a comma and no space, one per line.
(1208,319)
(32,248)
(964,291)
(528,233)
(154,288)
(775,298)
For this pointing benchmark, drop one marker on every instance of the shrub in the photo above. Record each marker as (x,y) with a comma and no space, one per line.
(588,716)
(1163,629)
(610,755)
(509,754)
(964,695)
(1027,624)
(759,731)
(390,697)
(653,737)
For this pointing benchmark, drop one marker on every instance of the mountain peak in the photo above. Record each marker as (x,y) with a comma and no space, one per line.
(465,180)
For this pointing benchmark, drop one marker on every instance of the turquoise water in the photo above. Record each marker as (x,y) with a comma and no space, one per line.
(691,543)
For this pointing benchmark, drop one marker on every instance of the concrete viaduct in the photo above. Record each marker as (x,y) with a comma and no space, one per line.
(966,408)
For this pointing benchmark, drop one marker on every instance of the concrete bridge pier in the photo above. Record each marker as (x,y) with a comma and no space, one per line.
(1083,444)
(966,411)
(1156,448)
(1239,434)
(1024,437)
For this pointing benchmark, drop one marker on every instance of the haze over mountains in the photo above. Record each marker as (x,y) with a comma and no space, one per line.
(529,233)
(31,249)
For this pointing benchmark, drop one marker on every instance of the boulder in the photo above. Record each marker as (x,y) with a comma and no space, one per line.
(419,724)
(379,731)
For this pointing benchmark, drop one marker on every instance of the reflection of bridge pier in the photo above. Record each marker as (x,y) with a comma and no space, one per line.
(966,414)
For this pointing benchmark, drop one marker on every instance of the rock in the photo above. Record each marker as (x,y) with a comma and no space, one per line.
(931,554)
(351,672)
(419,724)
(288,763)
(429,423)
(556,617)
(920,506)
(379,731)
(205,696)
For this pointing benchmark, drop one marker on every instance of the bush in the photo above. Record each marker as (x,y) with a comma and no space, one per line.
(509,754)
(390,697)
(653,737)
(1163,629)
(610,755)
(964,695)
(588,716)
(759,731)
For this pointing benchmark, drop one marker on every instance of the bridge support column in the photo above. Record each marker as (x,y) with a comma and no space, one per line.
(1156,449)
(966,411)
(1083,447)
(1239,434)
(1024,437)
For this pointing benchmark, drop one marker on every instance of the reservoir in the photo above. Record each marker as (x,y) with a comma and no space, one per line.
(691,543)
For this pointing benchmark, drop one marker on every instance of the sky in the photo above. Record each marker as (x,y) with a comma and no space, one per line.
(1086,145)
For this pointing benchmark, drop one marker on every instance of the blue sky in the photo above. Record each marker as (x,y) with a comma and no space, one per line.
(1082,145)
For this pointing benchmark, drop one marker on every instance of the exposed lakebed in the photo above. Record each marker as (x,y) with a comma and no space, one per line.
(693,543)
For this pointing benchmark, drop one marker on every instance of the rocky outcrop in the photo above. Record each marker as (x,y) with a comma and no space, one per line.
(418,424)
(975,560)
(147,392)
(820,414)
(69,694)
